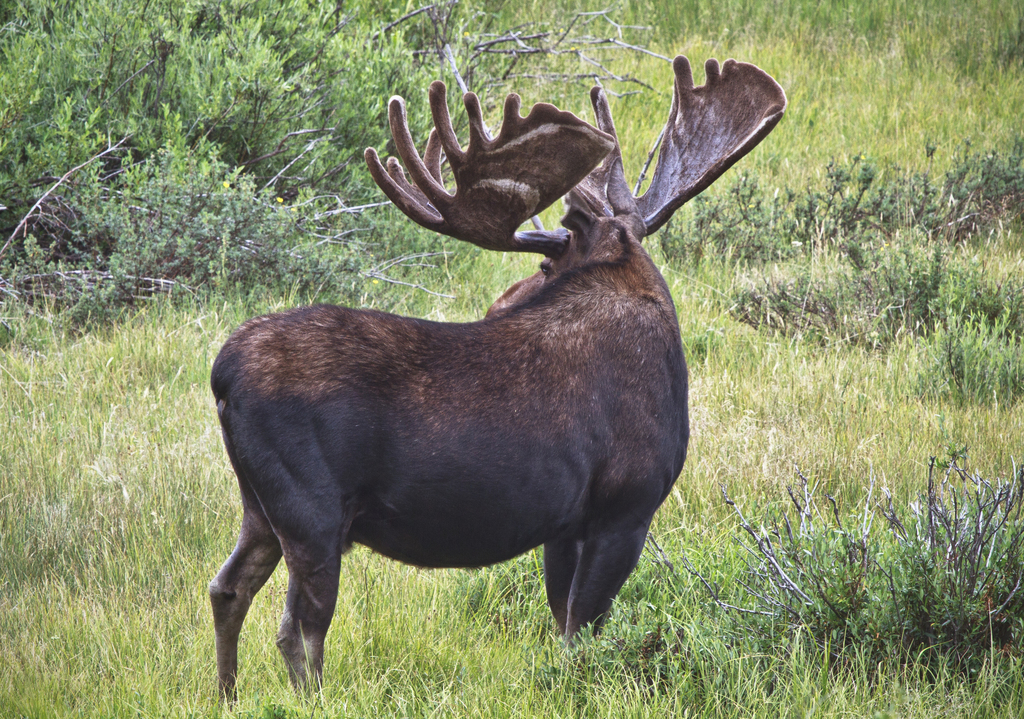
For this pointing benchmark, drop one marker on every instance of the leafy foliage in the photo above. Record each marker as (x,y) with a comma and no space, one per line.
(869,259)
(858,210)
(904,289)
(120,125)
(189,147)
(941,587)
(176,223)
(973,359)
(937,585)
(267,82)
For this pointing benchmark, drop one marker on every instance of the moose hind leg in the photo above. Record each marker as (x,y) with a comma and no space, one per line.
(254,559)
(606,561)
(309,607)
(560,559)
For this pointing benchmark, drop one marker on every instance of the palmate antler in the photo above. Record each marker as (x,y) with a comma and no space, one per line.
(709,128)
(500,183)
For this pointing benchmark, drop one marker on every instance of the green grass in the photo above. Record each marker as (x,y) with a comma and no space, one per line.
(117,503)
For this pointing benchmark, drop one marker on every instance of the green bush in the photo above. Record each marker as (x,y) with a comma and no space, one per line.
(911,288)
(147,151)
(868,256)
(973,359)
(897,290)
(279,87)
(743,224)
(939,584)
(177,223)
(858,210)
(190,148)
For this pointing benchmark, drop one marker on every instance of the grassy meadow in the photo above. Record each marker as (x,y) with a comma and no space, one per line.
(118,504)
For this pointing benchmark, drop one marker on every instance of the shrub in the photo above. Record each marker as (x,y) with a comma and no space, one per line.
(973,359)
(743,225)
(897,290)
(279,87)
(905,289)
(176,223)
(238,122)
(938,585)
(858,209)
(878,261)
(277,99)
(942,586)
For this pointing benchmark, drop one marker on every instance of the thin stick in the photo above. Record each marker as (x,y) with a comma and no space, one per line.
(111,95)
(400,20)
(650,157)
(377,273)
(636,48)
(455,71)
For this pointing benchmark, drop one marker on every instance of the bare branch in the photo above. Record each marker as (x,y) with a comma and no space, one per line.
(650,158)
(377,273)
(637,48)
(458,78)
(399,21)
(714,595)
(652,547)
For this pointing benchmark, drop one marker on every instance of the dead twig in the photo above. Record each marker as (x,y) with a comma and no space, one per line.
(377,273)
(399,21)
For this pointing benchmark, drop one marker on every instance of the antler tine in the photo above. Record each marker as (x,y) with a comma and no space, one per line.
(709,128)
(617,189)
(406,197)
(432,155)
(478,135)
(443,128)
(425,181)
(605,190)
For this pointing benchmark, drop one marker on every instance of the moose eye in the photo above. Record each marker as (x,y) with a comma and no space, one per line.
(545,268)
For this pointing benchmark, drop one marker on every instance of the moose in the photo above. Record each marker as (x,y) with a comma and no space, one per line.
(560,419)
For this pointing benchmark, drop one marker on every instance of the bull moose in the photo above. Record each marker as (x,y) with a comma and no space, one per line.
(560,419)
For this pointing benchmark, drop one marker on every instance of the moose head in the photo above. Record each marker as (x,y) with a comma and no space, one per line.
(559,420)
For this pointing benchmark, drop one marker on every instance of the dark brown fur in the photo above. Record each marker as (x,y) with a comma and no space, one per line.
(562,422)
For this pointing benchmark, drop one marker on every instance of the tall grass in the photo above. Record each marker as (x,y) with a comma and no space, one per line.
(117,503)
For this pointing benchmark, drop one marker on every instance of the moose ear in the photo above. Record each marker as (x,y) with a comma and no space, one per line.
(709,128)
(579,215)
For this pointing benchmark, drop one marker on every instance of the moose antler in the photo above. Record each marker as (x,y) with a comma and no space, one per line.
(709,128)
(500,183)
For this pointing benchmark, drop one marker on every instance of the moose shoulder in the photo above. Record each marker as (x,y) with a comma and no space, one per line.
(560,419)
